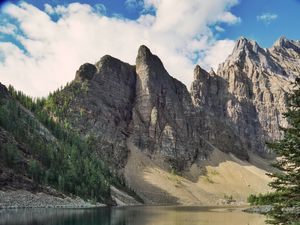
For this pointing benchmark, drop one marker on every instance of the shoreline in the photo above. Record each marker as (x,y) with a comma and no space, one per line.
(23,199)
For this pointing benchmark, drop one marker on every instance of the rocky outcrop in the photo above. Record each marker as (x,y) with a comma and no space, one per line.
(101,106)
(116,102)
(235,109)
(249,94)
(287,54)
(163,113)
(3,91)
(125,111)
(210,96)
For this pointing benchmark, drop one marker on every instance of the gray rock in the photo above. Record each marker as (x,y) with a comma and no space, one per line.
(163,112)
(257,85)
(235,109)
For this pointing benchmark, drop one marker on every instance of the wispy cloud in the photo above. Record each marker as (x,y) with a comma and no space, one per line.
(53,49)
(267,18)
(219,29)
(133,4)
(8,29)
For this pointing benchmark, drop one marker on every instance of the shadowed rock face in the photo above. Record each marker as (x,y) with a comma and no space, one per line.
(235,110)
(210,96)
(86,71)
(101,106)
(163,113)
(3,90)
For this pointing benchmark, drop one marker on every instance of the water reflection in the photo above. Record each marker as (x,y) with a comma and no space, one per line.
(146,215)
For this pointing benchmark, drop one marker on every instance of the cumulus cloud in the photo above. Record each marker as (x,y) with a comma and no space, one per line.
(52,50)
(267,18)
(217,53)
(228,17)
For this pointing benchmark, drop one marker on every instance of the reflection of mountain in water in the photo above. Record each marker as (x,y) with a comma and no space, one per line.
(158,215)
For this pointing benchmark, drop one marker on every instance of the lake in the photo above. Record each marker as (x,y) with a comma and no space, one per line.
(137,215)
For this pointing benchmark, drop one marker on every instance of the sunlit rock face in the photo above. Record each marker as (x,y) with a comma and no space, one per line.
(235,109)
(252,86)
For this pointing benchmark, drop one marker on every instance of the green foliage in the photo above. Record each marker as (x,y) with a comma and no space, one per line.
(35,171)
(285,200)
(262,199)
(66,162)
(9,154)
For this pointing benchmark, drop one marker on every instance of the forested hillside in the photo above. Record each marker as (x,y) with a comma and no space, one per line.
(45,152)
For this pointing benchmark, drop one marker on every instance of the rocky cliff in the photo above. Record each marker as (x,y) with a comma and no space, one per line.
(163,114)
(249,93)
(235,109)
(141,121)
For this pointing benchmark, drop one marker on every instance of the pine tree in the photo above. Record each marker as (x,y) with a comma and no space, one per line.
(286,184)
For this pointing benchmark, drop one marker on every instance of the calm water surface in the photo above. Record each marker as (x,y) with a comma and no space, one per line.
(142,215)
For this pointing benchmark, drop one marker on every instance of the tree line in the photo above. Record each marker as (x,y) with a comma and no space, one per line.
(65,162)
(285,199)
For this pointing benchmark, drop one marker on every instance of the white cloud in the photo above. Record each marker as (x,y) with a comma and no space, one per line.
(219,29)
(218,53)
(228,17)
(48,9)
(8,29)
(132,4)
(178,33)
(100,9)
(267,18)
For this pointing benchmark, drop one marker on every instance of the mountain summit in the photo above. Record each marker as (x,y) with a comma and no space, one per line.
(141,111)
(151,131)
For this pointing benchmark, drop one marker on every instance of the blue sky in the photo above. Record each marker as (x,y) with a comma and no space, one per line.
(37,34)
(286,23)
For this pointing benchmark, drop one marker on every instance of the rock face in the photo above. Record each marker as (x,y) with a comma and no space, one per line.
(249,94)
(139,116)
(163,113)
(235,109)
(116,103)
(101,106)
(210,96)
(3,90)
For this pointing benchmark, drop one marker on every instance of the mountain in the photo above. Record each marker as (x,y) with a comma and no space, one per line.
(249,93)
(170,145)
(45,164)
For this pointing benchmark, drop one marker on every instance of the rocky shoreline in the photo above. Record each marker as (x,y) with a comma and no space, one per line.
(259,209)
(14,199)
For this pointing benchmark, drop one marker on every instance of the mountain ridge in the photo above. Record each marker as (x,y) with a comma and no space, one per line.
(141,118)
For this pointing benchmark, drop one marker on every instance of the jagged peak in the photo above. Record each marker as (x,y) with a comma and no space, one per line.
(86,71)
(144,54)
(243,43)
(144,51)
(245,48)
(107,60)
(145,57)
(285,43)
(280,42)
(199,72)
(212,72)
(3,89)
(240,43)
